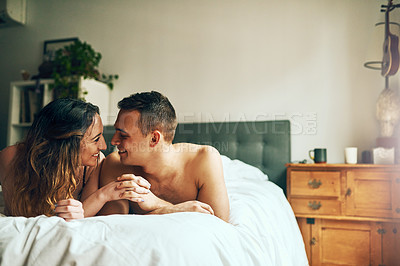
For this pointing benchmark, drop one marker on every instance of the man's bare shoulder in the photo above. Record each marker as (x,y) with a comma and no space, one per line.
(196,151)
(112,159)
(203,153)
(112,168)
(112,163)
(199,158)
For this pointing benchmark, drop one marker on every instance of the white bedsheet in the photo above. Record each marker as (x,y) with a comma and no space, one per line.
(262,231)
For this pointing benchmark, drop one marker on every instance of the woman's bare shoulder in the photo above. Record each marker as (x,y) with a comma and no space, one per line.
(7,154)
(9,151)
(6,157)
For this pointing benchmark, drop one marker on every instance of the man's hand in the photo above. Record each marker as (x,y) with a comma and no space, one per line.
(69,209)
(149,204)
(127,186)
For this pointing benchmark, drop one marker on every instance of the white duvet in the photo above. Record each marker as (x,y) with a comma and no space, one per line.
(262,231)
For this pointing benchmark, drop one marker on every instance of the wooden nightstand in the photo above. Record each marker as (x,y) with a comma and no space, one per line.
(348,214)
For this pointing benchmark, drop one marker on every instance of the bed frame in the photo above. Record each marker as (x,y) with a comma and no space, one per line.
(264,144)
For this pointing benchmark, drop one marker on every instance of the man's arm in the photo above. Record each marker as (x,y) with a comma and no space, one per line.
(210,179)
(154,205)
(187,206)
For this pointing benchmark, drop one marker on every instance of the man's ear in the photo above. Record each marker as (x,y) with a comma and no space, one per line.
(155,138)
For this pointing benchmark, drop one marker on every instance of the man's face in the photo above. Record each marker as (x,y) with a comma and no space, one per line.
(128,138)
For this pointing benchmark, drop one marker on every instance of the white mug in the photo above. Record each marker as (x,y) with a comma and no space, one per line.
(350,155)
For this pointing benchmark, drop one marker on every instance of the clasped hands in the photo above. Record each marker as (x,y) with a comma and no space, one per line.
(127,186)
(135,189)
(151,204)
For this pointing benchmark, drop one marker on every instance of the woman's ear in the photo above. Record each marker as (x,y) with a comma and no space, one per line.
(155,138)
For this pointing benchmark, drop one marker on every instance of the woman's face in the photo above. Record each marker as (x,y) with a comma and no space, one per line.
(92,142)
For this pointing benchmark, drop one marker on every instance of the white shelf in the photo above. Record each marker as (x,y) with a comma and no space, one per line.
(19,121)
(20,118)
(22,125)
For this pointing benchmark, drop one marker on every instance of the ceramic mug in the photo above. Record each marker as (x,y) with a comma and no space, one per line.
(350,155)
(318,155)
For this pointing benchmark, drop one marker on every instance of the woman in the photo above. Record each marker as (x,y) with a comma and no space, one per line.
(46,173)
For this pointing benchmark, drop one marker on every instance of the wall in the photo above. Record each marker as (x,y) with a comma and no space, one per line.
(223,60)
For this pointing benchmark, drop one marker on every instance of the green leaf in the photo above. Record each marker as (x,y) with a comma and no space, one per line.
(77,59)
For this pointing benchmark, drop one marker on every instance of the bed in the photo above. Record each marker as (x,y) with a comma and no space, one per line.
(262,228)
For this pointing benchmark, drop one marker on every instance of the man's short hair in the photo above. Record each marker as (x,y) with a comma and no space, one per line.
(156,113)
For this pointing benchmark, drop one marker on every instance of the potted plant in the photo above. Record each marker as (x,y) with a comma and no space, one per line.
(73,62)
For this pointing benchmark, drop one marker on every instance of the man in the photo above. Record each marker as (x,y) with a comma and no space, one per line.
(183,177)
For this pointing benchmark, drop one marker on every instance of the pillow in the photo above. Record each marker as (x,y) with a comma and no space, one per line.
(236,169)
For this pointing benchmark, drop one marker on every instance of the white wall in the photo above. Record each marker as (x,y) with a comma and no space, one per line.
(221,60)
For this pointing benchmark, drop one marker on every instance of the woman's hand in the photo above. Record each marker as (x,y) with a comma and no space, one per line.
(69,209)
(127,186)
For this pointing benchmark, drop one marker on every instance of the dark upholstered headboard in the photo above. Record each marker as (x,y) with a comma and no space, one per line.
(264,144)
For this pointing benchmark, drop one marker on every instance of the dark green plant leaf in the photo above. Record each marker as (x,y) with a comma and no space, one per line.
(72,61)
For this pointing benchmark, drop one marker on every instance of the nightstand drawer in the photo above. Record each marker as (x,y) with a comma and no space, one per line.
(315,183)
(315,206)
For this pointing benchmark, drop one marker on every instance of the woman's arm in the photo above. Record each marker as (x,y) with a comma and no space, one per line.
(92,184)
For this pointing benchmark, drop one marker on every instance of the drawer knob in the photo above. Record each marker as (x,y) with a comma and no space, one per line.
(381,231)
(313,241)
(314,183)
(314,205)
(398,210)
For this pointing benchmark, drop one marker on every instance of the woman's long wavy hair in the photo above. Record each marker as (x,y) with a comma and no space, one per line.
(46,163)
